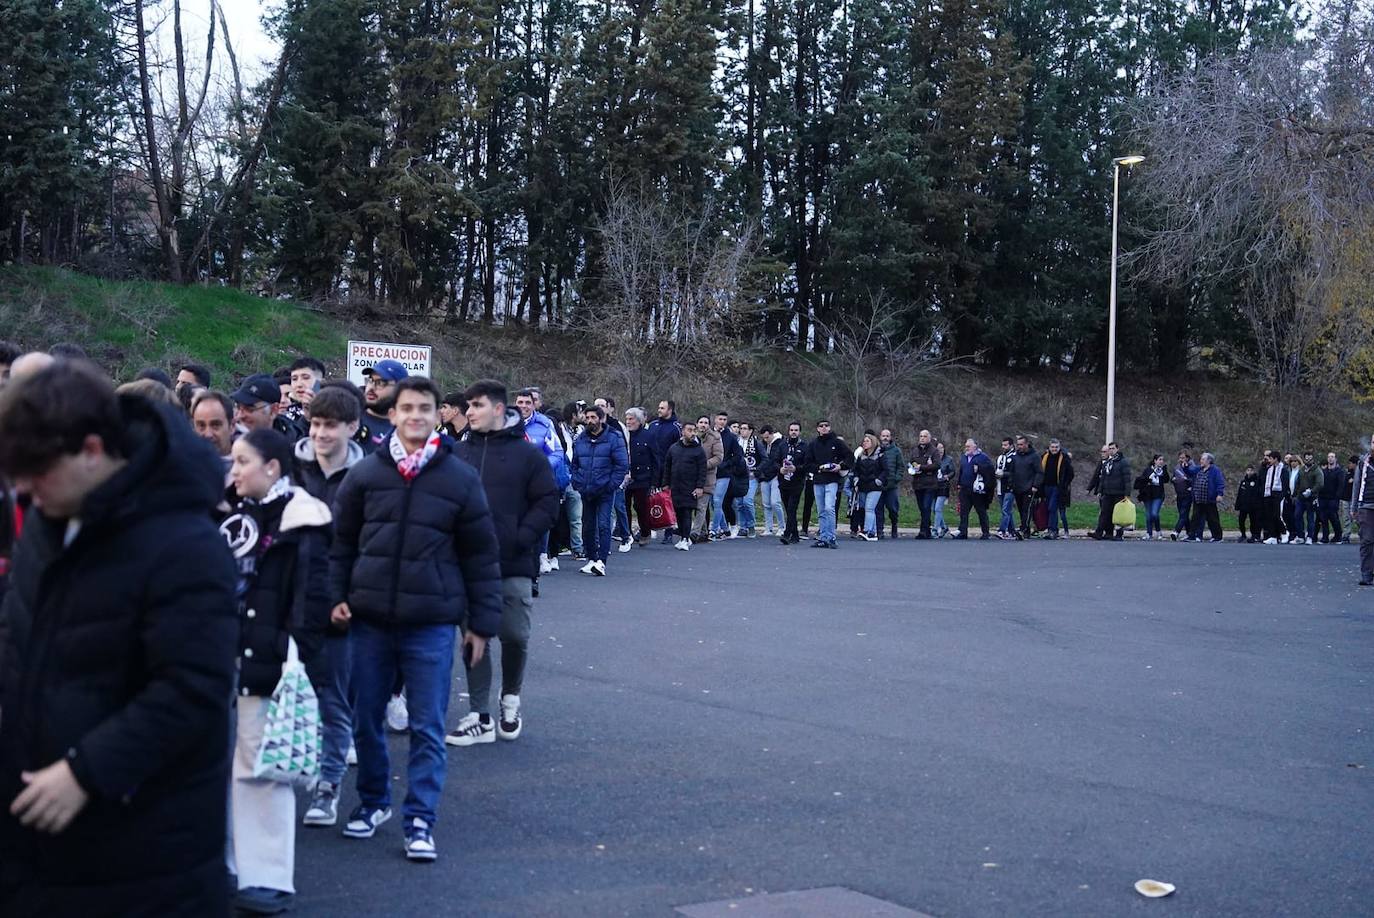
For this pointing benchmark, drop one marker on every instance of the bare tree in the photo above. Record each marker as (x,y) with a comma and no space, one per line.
(669,299)
(1261,175)
(883,355)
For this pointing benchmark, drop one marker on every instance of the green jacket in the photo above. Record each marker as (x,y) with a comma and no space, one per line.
(1310,478)
(894,467)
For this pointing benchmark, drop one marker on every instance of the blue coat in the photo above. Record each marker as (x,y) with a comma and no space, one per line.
(1209,485)
(599,463)
(662,435)
(974,467)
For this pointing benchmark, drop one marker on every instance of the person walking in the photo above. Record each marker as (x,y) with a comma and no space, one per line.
(523,498)
(975,486)
(665,430)
(869,469)
(118,638)
(1362,500)
(755,452)
(715,454)
(644,473)
(684,474)
(1329,500)
(1056,469)
(828,460)
(924,469)
(414,556)
(1150,486)
(1026,477)
(600,464)
(1309,487)
(1249,505)
(792,479)
(1208,488)
(947,474)
(279,535)
(889,507)
(1113,483)
(1006,498)
(1182,479)
(770,493)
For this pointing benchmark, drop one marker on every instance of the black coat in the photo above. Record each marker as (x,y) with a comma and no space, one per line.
(1148,490)
(798,451)
(1024,472)
(309,475)
(643,461)
(422,552)
(927,466)
(828,450)
(684,472)
(1250,494)
(286,584)
(520,489)
(1057,472)
(869,471)
(732,457)
(770,460)
(117,653)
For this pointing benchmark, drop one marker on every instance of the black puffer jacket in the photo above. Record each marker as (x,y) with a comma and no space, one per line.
(1025,472)
(117,654)
(643,461)
(685,471)
(520,489)
(869,469)
(422,552)
(828,449)
(285,584)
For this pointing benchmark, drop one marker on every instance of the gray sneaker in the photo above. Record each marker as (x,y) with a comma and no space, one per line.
(324,806)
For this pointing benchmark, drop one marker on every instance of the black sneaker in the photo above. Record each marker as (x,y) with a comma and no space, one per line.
(259,900)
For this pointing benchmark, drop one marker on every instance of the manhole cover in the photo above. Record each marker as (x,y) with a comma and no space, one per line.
(826,902)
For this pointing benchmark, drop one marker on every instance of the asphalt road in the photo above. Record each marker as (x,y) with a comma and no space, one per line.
(963,729)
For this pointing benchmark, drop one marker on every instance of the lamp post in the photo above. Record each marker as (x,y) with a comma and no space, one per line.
(1117,163)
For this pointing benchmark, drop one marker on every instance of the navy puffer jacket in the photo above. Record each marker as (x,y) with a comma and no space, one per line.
(422,552)
(599,463)
(644,462)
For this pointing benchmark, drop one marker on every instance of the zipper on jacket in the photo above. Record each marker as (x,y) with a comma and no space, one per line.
(400,547)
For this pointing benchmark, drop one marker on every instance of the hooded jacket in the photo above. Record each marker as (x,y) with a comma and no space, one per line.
(419,552)
(1249,494)
(684,471)
(313,479)
(540,431)
(117,654)
(599,462)
(282,547)
(732,461)
(521,492)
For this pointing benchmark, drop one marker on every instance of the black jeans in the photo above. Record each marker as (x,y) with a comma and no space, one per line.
(1185,503)
(1365,519)
(1246,516)
(1206,514)
(977,503)
(1106,503)
(1023,508)
(808,504)
(1329,513)
(684,519)
(888,507)
(1273,522)
(790,497)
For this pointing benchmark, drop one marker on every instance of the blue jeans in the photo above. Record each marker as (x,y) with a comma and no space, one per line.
(1008,506)
(744,507)
(1306,517)
(938,512)
(718,498)
(1185,504)
(422,655)
(622,517)
(330,674)
(826,495)
(574,504)
(925,500)
(1057,513)
(597,513)
(773,518)
(1152,516)
(871,500)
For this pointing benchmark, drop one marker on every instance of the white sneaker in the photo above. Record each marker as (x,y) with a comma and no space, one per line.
(683,545)
(509,725)
(553,564)
(397,714)
(352,757)
(626,546)
(419,842)
(589,567)
(1284,540)
(473,730)
(599,568)
(1271,541)
(734,532)
(544,565)
(1309,541)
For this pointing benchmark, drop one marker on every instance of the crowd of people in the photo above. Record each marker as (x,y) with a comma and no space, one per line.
(167,548)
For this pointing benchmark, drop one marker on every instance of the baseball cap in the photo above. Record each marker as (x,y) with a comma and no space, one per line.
(390,370)
(257,389)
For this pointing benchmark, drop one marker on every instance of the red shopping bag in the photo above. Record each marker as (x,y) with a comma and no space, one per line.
(661,512)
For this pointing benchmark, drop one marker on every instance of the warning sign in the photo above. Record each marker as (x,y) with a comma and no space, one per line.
(363,355)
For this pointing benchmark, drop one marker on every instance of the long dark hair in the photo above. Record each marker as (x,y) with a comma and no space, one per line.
(271,445)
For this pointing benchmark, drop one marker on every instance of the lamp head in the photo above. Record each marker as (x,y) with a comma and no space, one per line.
(1130,160)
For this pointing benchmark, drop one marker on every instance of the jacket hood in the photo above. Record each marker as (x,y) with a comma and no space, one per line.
(303,511)
(513,427)
(168,468)
(305,452)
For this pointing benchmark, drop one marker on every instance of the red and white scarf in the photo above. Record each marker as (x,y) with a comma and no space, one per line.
(410,465)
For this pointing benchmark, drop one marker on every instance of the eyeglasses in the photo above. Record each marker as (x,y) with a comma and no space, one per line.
(376,382)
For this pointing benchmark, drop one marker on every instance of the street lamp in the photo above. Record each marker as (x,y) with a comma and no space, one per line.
(1117,163)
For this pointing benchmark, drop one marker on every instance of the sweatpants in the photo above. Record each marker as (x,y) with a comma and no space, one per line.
(517,602)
